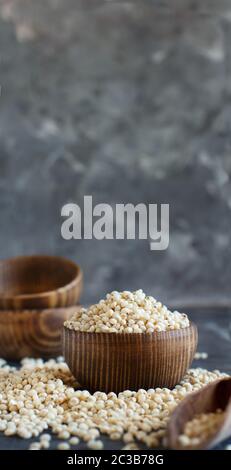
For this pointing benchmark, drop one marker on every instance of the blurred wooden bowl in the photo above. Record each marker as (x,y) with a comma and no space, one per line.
(120,361)
(32,333)
(37,282)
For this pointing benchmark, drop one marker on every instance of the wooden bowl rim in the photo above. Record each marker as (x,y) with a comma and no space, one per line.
(21,311)
(76,280)
(160,334)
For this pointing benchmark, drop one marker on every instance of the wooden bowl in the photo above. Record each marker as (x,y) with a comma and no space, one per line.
(32,333)
(120,361)
(37,282)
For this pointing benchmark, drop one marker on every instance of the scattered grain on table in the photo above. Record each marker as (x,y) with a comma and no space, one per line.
(42,396)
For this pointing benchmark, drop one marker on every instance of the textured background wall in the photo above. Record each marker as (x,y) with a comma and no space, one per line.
(128,101)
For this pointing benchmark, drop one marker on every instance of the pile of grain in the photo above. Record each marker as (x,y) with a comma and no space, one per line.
(127,312)
(201,428)
(43,396)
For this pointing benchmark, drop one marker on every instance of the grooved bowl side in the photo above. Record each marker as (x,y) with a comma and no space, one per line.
(119,361)
(32,333)
(39,282)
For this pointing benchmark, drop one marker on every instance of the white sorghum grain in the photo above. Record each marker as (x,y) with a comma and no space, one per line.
(43,395)
(63,446)
(35,446)
(74,441)
(201,355)
(64,435)
(45,437)
(128,312)
(60,359)
(131,446)
(128,437)
(200,428)
(44,444)
(95,445)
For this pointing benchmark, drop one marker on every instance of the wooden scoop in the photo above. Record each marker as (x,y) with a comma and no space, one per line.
(208,399)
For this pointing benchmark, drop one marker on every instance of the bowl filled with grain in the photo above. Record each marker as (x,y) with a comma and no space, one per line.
(128,341)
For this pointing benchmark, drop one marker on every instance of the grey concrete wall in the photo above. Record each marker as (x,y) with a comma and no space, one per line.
(129,101)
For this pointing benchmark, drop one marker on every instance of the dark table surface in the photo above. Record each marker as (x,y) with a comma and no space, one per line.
(214,338)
